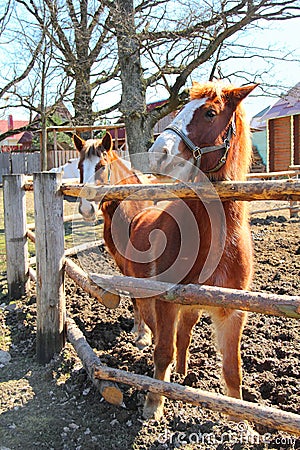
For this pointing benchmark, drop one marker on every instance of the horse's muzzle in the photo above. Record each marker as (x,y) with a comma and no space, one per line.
(89,215)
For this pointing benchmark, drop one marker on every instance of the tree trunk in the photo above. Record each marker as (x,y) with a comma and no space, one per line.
(83,98)
(133,106)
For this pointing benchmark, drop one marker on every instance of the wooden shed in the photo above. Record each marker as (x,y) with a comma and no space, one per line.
(283,131)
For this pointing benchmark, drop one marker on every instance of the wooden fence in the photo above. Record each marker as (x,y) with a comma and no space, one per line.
(293,207)
(51,262)
(26,163)
(57,158)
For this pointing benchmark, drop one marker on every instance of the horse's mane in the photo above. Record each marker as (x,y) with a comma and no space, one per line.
(239,159)
(208,89)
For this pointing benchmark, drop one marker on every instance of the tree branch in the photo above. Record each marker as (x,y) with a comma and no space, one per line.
(26,71)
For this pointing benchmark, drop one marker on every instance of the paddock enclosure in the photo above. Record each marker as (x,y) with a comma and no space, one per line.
(52,263)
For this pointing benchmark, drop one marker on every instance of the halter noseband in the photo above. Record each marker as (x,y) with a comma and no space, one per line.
(198,152)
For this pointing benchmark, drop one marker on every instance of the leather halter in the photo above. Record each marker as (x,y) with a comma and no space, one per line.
(198,152)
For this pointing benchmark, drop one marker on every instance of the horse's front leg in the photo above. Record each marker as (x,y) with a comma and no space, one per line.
(164,351)
(144,322)
(188,317)
(229,327)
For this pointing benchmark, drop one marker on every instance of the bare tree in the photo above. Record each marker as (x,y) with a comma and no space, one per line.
(79,32)
(4,15)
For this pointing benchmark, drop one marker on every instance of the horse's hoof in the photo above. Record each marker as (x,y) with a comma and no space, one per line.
(143,341)
(153,409)
(134,329)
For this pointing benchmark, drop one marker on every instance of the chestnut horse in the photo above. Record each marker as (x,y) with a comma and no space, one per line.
(209,139)
(96,155)
(211,133)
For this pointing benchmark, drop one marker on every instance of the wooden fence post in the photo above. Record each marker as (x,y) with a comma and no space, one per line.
(15,235)
(51,311)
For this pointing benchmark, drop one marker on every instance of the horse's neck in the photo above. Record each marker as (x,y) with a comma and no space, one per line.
(121,174)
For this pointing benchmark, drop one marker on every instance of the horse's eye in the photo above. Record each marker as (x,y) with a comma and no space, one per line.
(210,113)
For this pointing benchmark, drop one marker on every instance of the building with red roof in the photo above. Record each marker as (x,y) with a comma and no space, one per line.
(17,142)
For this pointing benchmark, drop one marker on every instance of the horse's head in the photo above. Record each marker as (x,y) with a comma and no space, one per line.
(210,132)
(96,156)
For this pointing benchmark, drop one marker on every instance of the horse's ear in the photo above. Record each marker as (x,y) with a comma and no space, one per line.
(78,142)
(238,94)
(107,141)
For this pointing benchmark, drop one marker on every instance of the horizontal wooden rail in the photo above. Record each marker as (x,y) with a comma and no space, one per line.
(69,251)
(243,410)
(260,211)
(193,294)
(225,190)
(283,173)
(30,235)
(107,298)
(82,247)
(110,391)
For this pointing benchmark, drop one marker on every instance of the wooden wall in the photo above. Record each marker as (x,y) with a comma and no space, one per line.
(284,142)
(279,144)
(297,139)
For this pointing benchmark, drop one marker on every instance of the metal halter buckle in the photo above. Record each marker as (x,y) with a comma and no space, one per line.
(226,143)
(197,153)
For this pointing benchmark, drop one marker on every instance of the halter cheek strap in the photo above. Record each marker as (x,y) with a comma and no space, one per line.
(197,152)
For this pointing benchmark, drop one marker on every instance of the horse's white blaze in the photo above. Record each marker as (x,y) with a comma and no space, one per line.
(168,140)
(184,117)
(88,208)
(89,169)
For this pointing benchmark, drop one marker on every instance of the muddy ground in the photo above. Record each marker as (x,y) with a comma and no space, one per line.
(57,407)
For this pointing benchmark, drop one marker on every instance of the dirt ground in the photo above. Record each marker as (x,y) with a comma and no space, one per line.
(57,407)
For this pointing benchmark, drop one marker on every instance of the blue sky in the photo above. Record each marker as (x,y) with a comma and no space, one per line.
(283,35)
